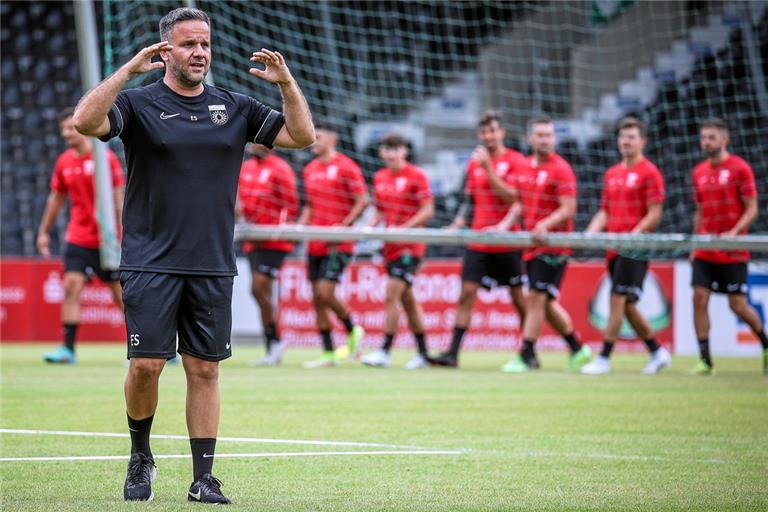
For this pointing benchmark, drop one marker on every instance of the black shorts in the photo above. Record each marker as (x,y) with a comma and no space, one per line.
(158,306)
(329,267)
(492,269)
(266,261)
(627,276)
(87,261)
(730,278)
(545,273)
(403,268)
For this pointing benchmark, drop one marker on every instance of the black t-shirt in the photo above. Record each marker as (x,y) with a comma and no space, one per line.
(184,156)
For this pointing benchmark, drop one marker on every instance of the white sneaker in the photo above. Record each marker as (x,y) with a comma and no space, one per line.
(276,352)
(379,359)
(418,362)
(658,361)
(599,366)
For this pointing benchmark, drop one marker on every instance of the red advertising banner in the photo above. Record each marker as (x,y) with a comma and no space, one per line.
(31,293)
(495,323)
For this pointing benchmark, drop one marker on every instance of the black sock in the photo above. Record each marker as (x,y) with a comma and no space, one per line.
(70,333)
(573,342)
(651,344)
(348,325)
(270,334)
(704,351)
(607,349)
(526,351)
(458,335)
(202,455)
(327,340)
(763,338)
(389,339)
(139,430)
(421,343)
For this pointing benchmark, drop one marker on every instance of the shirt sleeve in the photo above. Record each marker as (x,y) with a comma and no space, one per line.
(566,182)
(354,178)
(57,179)
(120,116)
(746,181)
(264,123)
(604,194)
(654,187)
(118,178)
(469,186)
(288,192)
(421,189)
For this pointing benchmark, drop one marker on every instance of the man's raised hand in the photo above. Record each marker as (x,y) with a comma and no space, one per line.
(275,70)
(142,62)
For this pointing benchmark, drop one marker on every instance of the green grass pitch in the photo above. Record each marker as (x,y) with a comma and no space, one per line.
(543,441)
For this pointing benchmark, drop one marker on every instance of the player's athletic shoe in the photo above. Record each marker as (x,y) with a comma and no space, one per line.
(207,489)
(275,355)
(61,355)
(355,342)
(702,368)
(658,361)
(138,482)
(445,359)
(327,360)
(418,362)
(342,352)
(600,366)
(520,365)
(579,359)
(378,358)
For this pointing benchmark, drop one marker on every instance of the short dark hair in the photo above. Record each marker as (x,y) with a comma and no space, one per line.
(180,14)
(715,122)
(488,117)
(633,122)
(326,127)
(542,119)
(393,140)
(64,113)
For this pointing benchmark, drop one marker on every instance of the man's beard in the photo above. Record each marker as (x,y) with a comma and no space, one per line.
(712,153)
(183,77)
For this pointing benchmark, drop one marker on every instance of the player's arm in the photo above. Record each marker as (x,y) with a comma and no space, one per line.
(462,213)
(52,208)
(510,218)
(565,211)
(650,220)
(360,204)
(298,130)
(747,218)
(375,220)
(306,212)
(117,197)
(91,113)
(421,217)
(499,187)
(696,224)
(598,222)
(290,196)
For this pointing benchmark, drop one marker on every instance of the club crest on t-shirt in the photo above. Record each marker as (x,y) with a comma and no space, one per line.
(218,114)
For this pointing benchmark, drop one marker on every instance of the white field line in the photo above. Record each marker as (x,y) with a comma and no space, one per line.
(240,455)
(219,439)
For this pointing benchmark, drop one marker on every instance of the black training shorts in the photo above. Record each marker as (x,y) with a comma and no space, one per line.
(87,261)
(491,269)
(403,268)
(627,276)
(545,273)
(267,262)
(157,306)
(329,267)
(730,278)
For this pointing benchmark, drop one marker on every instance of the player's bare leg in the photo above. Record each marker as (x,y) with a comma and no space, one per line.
(467,299)
(701,326)
(381,358)
(355,333)
(557,316)
(742,309)
(415,316)
(261,289)
(73,284)
(535,314)
(517,294)
(117,294)
(660,356)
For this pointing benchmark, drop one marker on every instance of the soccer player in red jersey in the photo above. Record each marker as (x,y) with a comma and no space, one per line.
(492,176)
(402,199)
(336,195)
(633,197)
(267,195)
(73,178)
(726,204)
(548,190)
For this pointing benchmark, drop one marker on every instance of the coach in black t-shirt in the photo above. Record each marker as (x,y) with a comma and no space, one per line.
(184,144)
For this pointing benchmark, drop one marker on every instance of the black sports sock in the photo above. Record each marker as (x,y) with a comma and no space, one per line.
(421,343)
(607,349)
(389,339)
(526,351)
(651,345)
(704,351)
(458,335)
(139,430)
(270,335)
(202,455)
(763,338)
(573,342)
(70,333)
(327,340)
(348,325)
